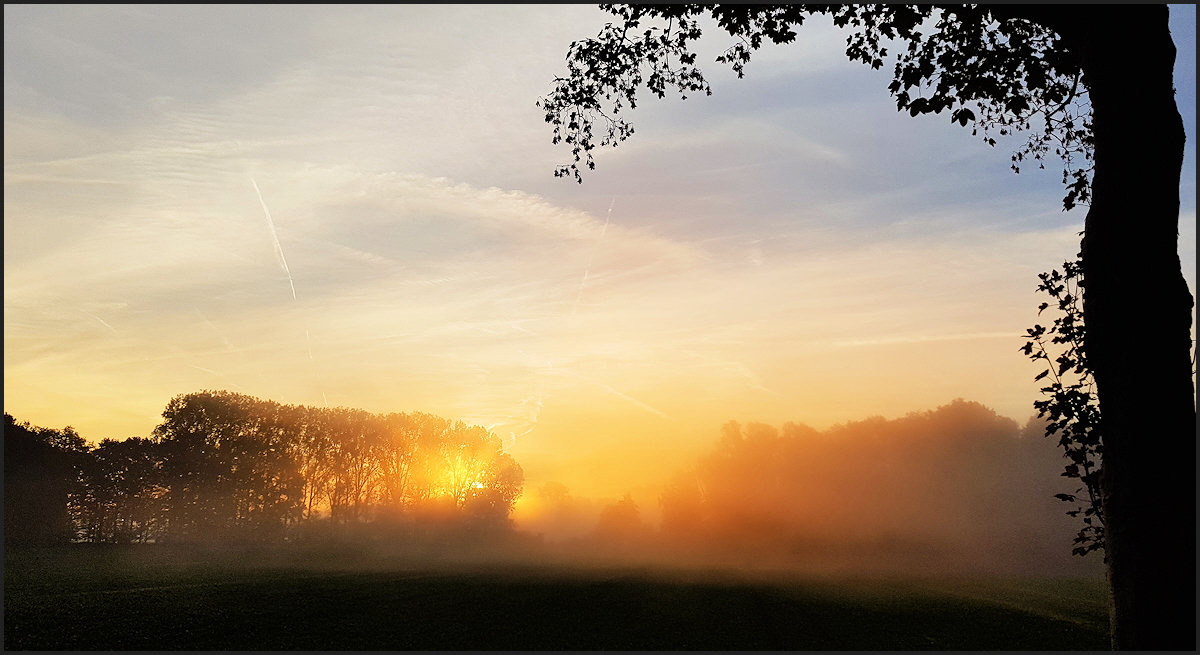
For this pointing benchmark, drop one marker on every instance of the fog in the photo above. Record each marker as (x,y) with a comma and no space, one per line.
(955,490)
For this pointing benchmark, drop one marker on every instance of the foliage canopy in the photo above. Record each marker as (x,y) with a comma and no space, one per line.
(999,75)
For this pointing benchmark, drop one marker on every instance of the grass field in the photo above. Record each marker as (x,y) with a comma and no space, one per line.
(153,598)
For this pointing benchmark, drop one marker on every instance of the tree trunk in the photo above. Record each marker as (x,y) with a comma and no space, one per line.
(1138,313)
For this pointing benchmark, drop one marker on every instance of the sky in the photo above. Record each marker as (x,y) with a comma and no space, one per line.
(355,206)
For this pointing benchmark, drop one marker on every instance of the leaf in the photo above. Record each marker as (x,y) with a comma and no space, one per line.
(1042,375)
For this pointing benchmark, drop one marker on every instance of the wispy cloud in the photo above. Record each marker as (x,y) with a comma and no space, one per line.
(788,249)
(925,338)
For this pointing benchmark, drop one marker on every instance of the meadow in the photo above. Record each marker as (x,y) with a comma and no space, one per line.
(153,597)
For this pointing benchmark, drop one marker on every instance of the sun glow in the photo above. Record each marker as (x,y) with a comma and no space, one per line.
(355,211)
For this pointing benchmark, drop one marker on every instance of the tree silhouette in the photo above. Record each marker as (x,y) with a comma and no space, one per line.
(620,522)
(491,500)
(234,466)
(357,444)
(1005,68)
(226,466)
(122,494)
(40,474)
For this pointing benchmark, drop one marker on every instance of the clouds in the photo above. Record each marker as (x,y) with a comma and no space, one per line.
(398,279)
(787,249)
(106,65)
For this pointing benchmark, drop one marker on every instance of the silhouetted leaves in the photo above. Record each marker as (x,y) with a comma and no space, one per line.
(992,68)
(1070,402)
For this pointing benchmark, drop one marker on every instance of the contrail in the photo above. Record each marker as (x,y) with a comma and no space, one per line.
(631,399)
(284,265)
(275,237)
(102,321)
(619,394)
(588,269)
(224,339)
(218,374)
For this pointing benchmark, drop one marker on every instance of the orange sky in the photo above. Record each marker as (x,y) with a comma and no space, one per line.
(358,209)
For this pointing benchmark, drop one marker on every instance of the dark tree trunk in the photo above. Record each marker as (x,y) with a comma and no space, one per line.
(1138,313)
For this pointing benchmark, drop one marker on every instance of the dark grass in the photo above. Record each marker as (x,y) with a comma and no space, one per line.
(153,598)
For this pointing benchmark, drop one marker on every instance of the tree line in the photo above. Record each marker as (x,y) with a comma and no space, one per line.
(227,466)
(954,488)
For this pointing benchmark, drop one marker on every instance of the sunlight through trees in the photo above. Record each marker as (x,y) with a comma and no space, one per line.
(226,466)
